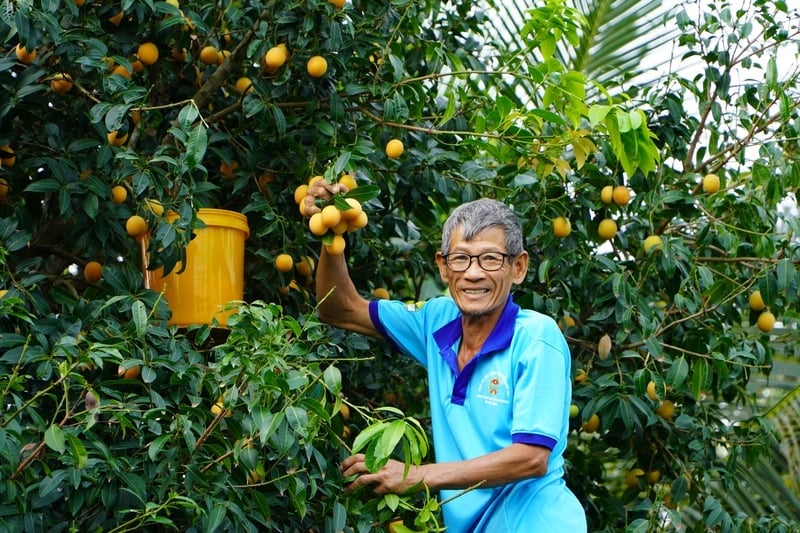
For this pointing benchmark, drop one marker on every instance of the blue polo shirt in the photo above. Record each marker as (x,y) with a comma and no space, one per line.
(516,390)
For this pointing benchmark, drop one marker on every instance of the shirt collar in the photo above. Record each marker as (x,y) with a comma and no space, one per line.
(499,338)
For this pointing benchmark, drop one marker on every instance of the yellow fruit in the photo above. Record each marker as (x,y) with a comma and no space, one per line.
(580,375)
(154,206)
(651,390)
(147,53)
(756,301)
(93,271)
(136,226)
(305,266)
(344,410)
(331,216)
(209,55)
(394,525)
(766,321)
(284,262)
(632,479)
(607,194)
(381,293)
(116,19)
(566,322)
(574,410)
(137,66)
(219,407)
(337,3)
(711,183)
(7,157)
(604,346)
(349,181)
(119,194)
(561,227)
(300,193)
(358,222)
(342,227)
(653,477)
(666,409)
(79,3)
(607,228)
(653,242)
(24,55)
(354,211)
(61,83)
(316,225)
(178,55)
(223,55)
(337,245)
(276,57)
(119,70)
(621,195)
(128,373)
(115,139)
(317,66)
(591,425)
(228,170)
(244,85)
(3,188)
(394,148)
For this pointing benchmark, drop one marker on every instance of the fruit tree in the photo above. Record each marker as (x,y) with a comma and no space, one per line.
(652,217)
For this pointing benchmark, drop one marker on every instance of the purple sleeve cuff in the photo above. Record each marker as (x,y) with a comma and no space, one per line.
(534,439)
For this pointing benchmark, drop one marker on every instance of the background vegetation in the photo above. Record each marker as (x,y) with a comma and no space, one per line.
(114,420)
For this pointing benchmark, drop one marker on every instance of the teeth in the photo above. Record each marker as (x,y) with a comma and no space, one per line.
(474,291)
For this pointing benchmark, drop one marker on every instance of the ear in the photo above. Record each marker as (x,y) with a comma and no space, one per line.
(519,267)
(444,272)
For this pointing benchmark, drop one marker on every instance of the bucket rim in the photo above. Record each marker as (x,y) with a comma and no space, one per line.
(224,218)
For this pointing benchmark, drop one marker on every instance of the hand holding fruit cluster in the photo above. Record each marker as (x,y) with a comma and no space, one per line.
(330,213)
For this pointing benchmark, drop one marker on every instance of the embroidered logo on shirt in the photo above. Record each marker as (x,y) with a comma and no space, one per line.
(414,306)
(493,389)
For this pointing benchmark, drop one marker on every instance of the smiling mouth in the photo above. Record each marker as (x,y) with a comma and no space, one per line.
(475,291)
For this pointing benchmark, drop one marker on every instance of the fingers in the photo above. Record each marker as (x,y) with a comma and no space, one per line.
(320,190)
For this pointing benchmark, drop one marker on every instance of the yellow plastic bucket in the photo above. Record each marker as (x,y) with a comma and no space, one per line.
(214,273)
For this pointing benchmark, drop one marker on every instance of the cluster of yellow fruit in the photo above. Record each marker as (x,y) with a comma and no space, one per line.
(766,319)
(619,195)
(331,222)
(632,478)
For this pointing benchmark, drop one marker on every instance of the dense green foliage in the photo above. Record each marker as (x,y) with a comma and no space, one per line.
(243,428)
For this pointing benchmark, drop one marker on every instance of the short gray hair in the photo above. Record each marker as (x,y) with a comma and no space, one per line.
(479,215)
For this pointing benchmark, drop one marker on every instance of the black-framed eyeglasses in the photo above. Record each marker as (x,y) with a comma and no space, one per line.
(488,261)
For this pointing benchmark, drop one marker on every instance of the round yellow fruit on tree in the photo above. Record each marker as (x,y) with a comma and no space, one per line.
(756,301)
(155,207)
(3,188)
(632,479)
(592,424)
(621,195)
(61,83)
(766,321)
(119,70)
(381,293)
(115,139)
(358,222)
(607,194)
(209,55)
(128,373)
(147,53)
(561,227)
(317,66)
(300,193)
(223,55)
(574,410)
(355,209)
(607,229)
(244,85)
(24,55)
(349,181)
(337,3)
(337,245)
(651,390)
(666,409)
(653,477)
(119,194)
(276,57)
(711,183)
(136,226)
(305,266)
(93,271)
(653,242)
(7,157)
(394,148)
(116,19)
(284,262)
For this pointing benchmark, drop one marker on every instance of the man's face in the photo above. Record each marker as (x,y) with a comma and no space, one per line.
(477,292)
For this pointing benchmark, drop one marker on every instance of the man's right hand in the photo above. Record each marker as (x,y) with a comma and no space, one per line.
(320,190)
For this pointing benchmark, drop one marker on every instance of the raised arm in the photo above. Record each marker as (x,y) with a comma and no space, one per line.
(339,303)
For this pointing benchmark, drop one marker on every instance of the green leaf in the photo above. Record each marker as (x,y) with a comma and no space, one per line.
(79,454)
(333,379)
(367,435)
(139,314)
(54,439)
(701,377)
(678,372)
